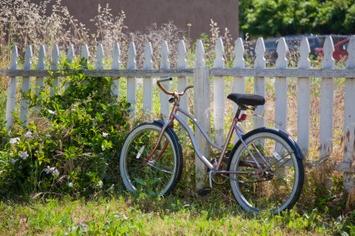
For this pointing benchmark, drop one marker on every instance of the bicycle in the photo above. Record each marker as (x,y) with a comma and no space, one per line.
(264,167)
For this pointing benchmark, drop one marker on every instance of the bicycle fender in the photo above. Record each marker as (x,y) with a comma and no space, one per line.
(295,147)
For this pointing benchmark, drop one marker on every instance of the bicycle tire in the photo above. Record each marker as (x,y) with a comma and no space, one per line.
(149,181)
(236,160)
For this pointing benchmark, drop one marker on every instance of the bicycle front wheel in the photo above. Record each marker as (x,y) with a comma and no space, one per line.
(144,170)
(266,171)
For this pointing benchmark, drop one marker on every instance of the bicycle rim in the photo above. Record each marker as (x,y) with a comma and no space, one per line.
(274,189)
(142,172)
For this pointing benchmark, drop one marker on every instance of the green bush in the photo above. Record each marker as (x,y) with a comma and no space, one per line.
(71,146)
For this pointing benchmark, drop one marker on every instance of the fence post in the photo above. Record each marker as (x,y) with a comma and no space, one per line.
(131,82)
(349,88)
(201,107)
(281,86)
(26,86)
(164,64)
(100,55)
(259,82)
(54,66)
(148,82)
(303,99)
(326,102)
(181,63)
(40,66)
(116,63)
(11,91)
(218,94)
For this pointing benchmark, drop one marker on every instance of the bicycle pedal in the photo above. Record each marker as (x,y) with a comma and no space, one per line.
(204,191)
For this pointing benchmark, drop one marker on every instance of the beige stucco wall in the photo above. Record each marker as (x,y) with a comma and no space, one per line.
(142,13)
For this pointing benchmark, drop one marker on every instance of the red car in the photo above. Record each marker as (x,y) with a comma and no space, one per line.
(340,50)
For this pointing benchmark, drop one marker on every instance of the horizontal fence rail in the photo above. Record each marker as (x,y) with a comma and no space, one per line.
(210,87)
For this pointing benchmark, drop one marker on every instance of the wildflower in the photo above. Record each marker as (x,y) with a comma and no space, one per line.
(23,155)
(100,184)
(104,134)
(55,172)
(51,112)
(70,184)
(14,140)
(51,170)
(28,134)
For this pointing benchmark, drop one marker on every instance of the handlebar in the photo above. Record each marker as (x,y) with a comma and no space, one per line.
(171,93)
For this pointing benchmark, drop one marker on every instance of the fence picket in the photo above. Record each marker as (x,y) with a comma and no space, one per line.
(116,64)
(26,86)
(259,82)
(303,98)
(131,82)
(281,86)
(70,54)
(201,108)
(40,66)
(238,63)
(218,94)
(148,82)
(54,66)
(100,55)
(349,89)
(11,91)
(165,65)
(182,64)
(326,102)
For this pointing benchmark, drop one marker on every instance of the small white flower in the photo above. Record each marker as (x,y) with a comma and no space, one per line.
(14,140)
(104,134)
(51,170)
(70,184)
(47,170)
(23,155)
(55,172)
(100,184)
(28,135)
(51,112)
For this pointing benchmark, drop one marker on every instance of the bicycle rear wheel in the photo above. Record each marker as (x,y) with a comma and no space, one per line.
(277,184)
(153,173)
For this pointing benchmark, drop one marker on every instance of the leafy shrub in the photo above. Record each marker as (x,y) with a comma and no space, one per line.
(72,145)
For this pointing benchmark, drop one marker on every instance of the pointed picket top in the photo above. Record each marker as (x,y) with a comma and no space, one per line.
(99,57)
(181,55)
(41,58)
(148,55)
(84,51)
(350,63)
(282,50)
(328,49)
(200,54)
(116,56)
(239,61)
(304,61)
(28,58)
(71,53)
(132,63)
(14,57)
(164,55)
(55,57)
(260,52)
(219,51)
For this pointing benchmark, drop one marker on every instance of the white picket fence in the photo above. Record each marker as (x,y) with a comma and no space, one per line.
(201,74)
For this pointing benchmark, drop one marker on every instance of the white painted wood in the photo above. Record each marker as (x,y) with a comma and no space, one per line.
(131,82)
(116,64)
(148,82)
(40,66)
(70,54)
(303,99)
(201,108)
(26,87)
(238,63)
(349,89)
(347,165)
(281,86)
(259,82)
(218,94)
(54,66)
(11,91)
(165,65)
(182,82)
(84,52)
(326,102)
(100,56)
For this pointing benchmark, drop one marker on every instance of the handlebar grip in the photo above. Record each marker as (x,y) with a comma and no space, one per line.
(163,80)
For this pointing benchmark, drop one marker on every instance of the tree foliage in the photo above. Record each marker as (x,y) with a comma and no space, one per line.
(285,17)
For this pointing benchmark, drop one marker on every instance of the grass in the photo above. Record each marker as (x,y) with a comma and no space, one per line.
(141,215)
